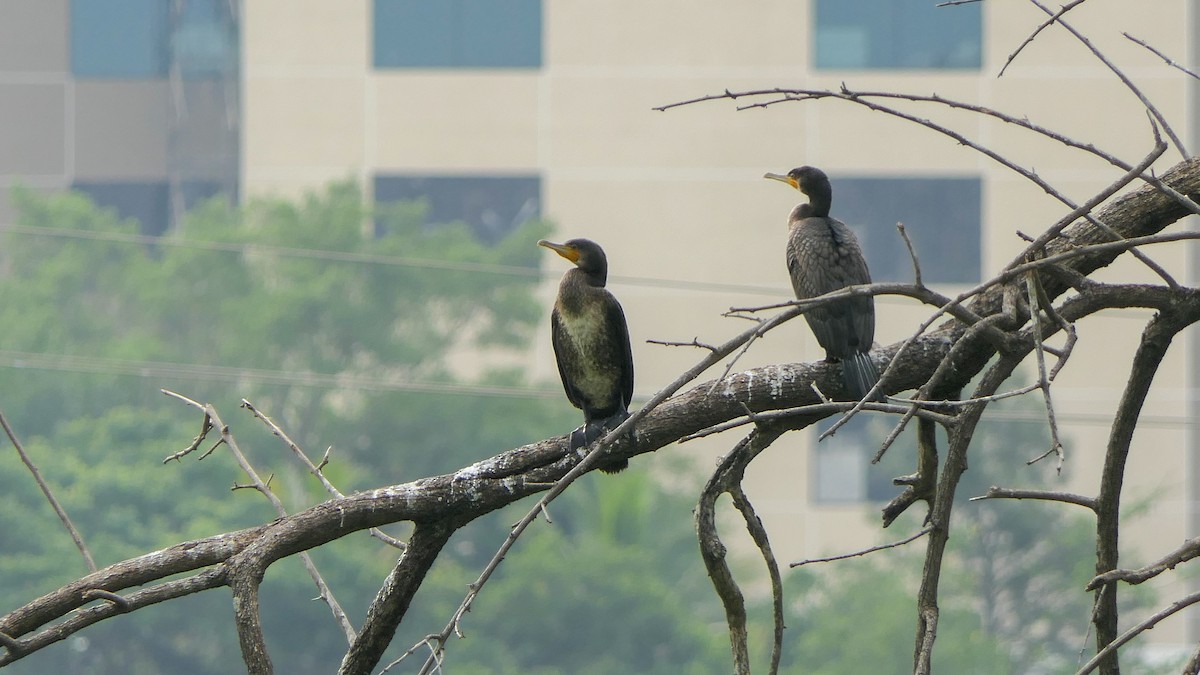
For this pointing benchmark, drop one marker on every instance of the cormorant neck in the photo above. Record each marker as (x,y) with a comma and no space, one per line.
(820,197)
(590,277)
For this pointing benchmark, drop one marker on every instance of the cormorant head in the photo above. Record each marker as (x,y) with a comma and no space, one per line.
(804,178)
(812,182)
(585,253)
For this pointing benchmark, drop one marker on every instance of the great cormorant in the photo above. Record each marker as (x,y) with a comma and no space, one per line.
(823,256)
(591,344)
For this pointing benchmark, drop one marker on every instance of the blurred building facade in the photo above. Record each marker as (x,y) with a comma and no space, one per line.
(500,111)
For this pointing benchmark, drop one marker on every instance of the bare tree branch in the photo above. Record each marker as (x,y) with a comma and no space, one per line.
(1065,497)
(857,554)
(315,470)
(1153,347)
(1109,652)
(1042,26)
(725,478)
(1057,17)
(1168,60)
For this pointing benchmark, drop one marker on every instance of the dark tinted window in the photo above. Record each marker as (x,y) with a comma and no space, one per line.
(492,205)
(897,34)
(119,38)
(941,216)
(147,202)
(458,34)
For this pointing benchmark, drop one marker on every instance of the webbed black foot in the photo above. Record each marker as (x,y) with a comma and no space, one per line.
(592,431)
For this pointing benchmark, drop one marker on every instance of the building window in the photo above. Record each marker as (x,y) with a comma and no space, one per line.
(141,38)
(941,215)
(842,470)
(493,206)
(458,34)
(857,34)
(147,202)
(119,38)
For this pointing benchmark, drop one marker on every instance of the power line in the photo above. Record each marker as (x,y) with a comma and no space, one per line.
(376,259)
(168,369)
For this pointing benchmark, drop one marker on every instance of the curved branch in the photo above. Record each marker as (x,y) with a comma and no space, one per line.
(1156,339)
(727,478)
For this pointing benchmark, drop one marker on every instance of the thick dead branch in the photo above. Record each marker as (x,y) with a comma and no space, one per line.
(394,597)
(1155,340)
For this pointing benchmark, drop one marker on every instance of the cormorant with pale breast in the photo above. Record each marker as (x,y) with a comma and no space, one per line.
(823,256)
(591,345)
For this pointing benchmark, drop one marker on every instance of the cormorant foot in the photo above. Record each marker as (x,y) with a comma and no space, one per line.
(579,438)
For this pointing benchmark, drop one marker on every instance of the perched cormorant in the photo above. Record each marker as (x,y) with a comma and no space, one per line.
(823,256)
(591,345)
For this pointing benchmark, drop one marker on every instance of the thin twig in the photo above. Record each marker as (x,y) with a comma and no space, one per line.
(316,470)
(694,343)
(912,254)
(883,547)
(45,488)
(1189,550)
(821,409)
(1063,10)
(1169,61)
(1035,293)
(205,427)
(258,484)
(1057,17)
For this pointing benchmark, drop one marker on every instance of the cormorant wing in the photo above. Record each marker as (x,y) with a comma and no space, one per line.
(614,316)
(562,348)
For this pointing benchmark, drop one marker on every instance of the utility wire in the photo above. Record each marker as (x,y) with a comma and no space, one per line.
(159,369)
(376,259)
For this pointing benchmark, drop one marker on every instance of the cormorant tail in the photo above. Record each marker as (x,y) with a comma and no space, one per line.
(860,375)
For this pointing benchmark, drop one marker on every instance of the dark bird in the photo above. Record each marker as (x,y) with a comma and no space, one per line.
(591,344)
(823,256)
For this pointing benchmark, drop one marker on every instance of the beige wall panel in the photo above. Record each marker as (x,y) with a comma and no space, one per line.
(854,139)
(303,123)
(675,33)
(121,129)
(32,133)
(610,122)
(283,35)
(652,226)
(467,121)
(33,36)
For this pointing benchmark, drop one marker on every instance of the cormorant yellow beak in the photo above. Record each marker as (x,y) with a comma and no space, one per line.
(783,179)
(569,252)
